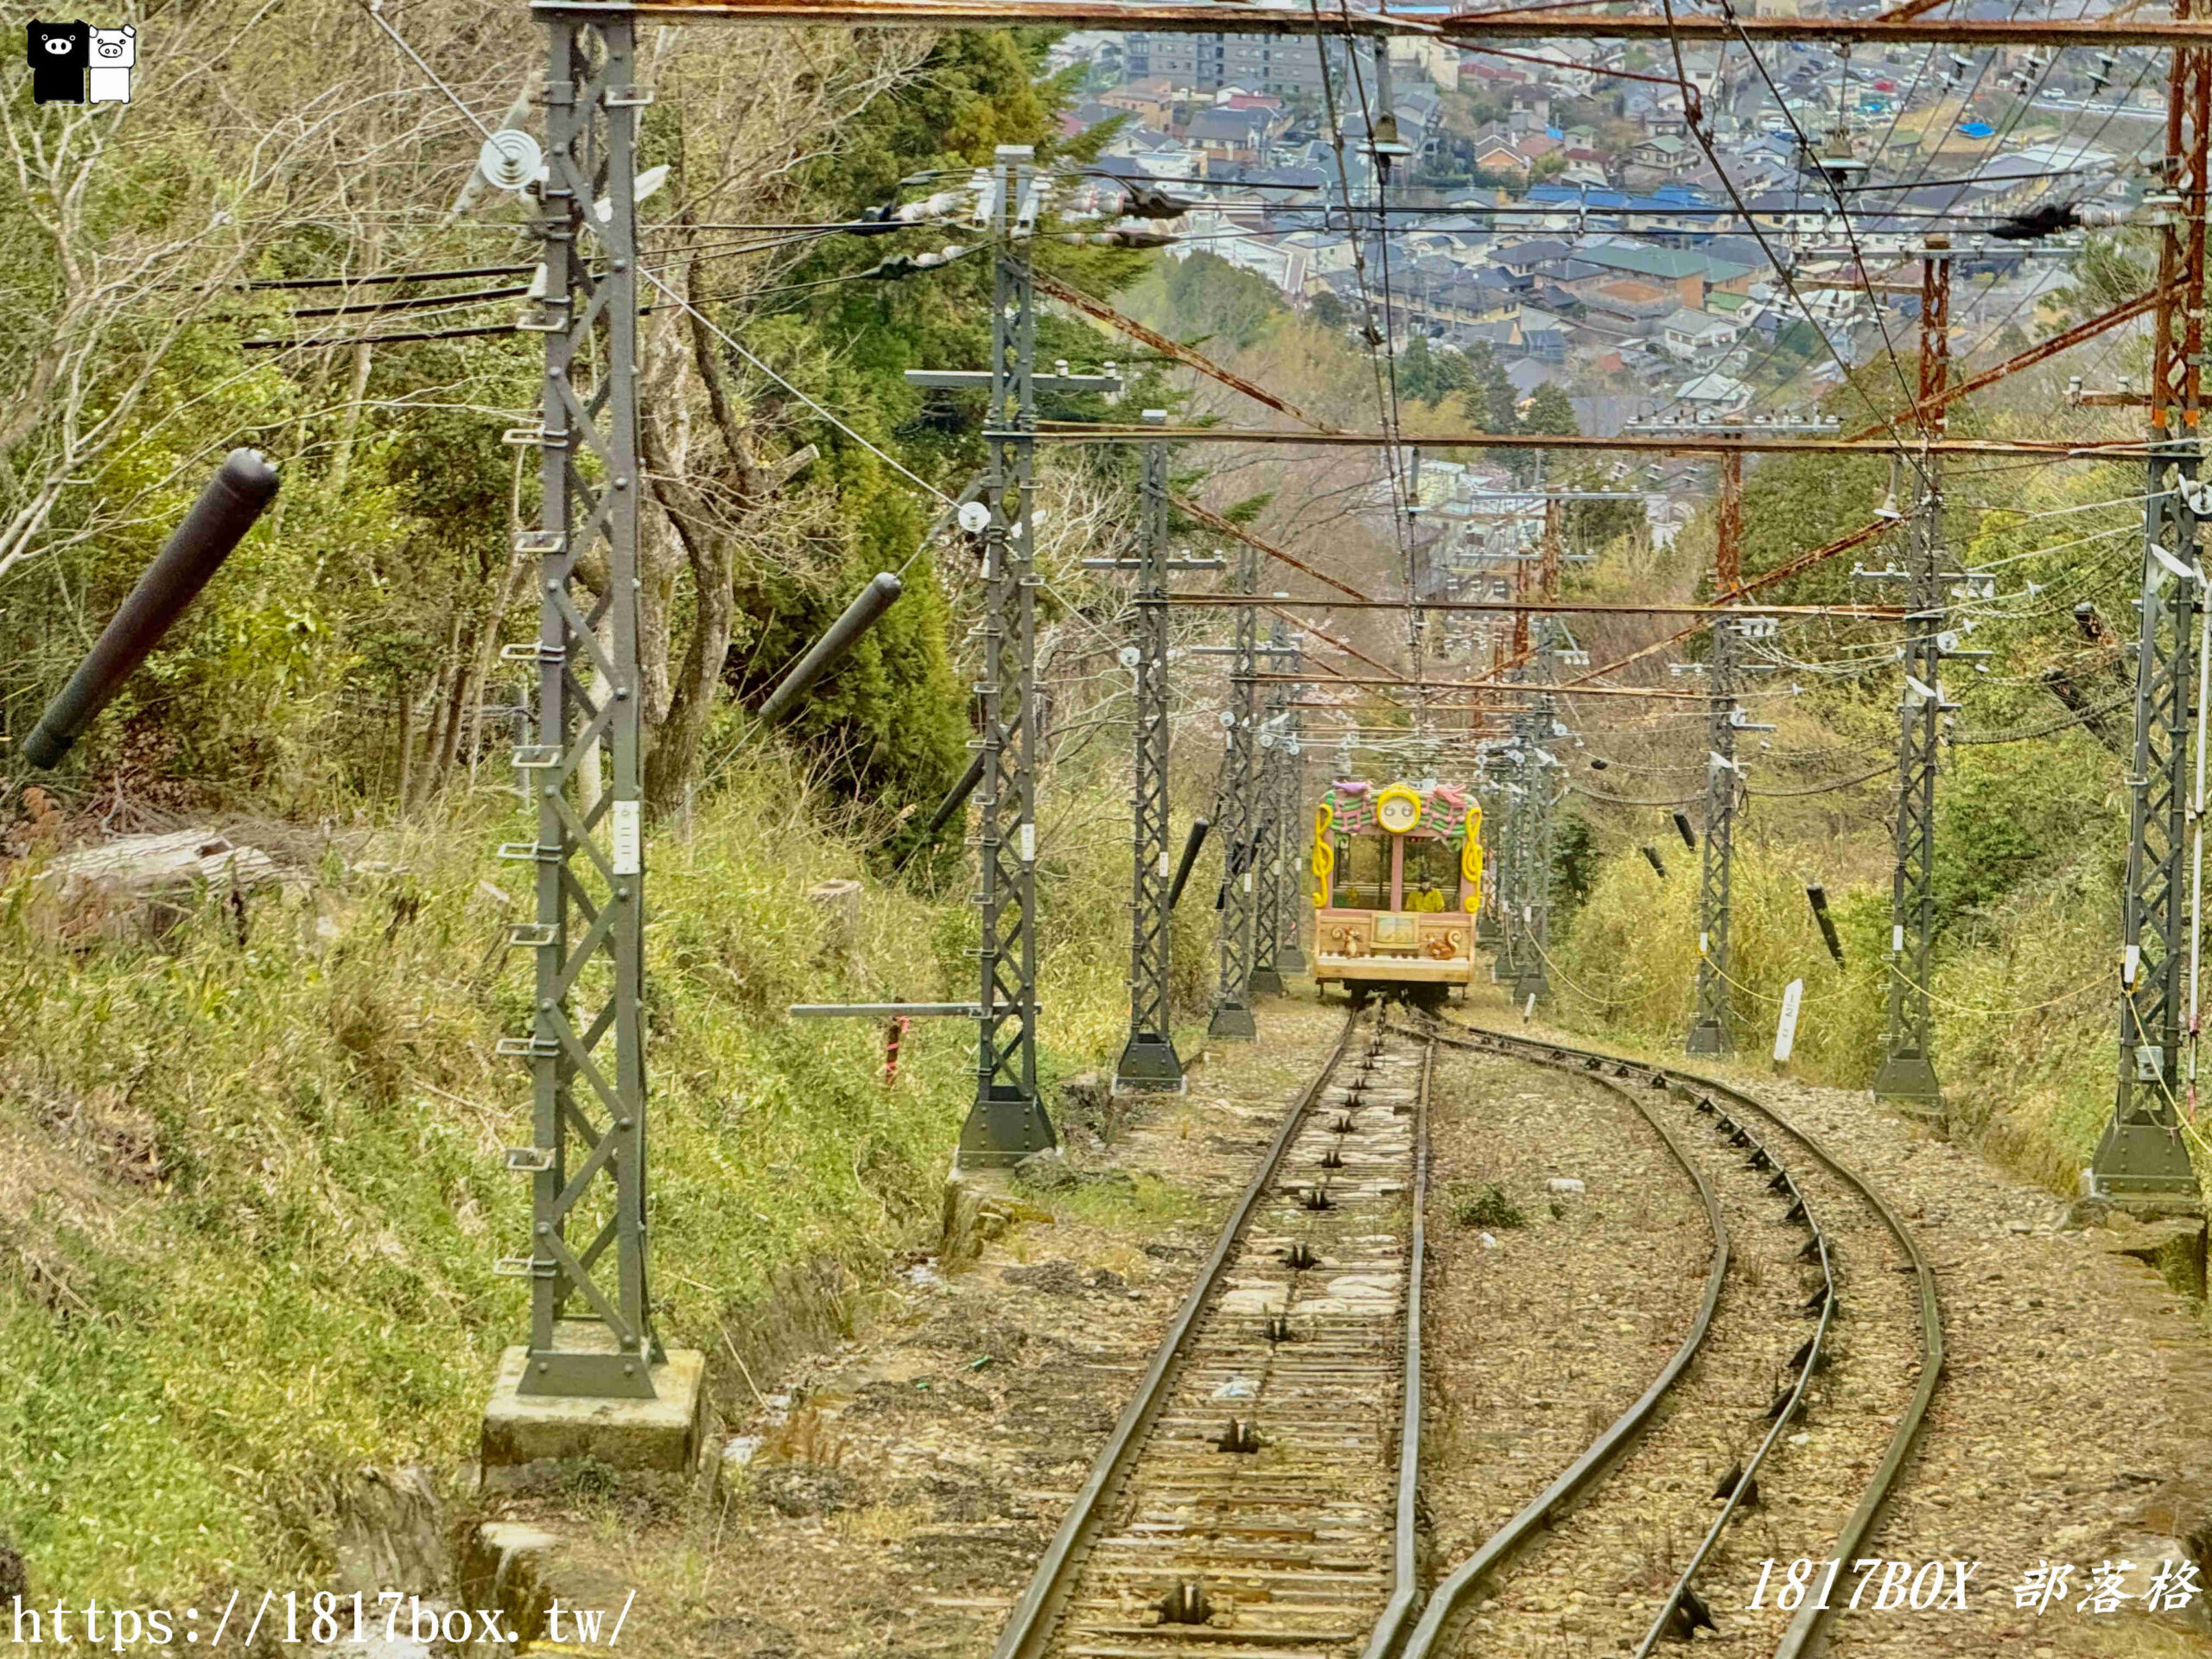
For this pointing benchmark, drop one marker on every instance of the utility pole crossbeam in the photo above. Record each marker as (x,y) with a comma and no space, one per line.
(591,1327)
(1239,818)
(1149,1059)
(1008,1122)
(2141,1157)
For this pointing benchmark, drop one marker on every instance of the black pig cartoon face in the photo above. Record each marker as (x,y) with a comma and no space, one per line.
(59,54)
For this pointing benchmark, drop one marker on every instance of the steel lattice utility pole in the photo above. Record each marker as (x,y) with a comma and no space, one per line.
(1271,876)
(1149,1059)
(1232,1004)
(1709,1033)
(1290,813)
(1529,927)
(2140,1155)
(1511,826)
(1497,804)
(591,1328)
(1007,1121)
(1908,1071)
(1535,836)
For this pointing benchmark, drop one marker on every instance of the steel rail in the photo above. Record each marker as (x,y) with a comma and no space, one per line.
(1798,1639)
(1814,1358)
(1503,1545)
(1406,1569)
(1031,1622)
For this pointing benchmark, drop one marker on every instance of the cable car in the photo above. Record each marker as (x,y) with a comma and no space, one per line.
(1397,874)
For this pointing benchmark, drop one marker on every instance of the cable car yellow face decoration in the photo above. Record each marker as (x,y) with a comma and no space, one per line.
(1397,809)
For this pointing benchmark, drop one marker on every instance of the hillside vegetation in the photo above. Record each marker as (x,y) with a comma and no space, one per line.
(252,1200)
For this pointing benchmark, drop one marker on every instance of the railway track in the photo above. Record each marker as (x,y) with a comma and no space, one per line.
(1247,1503)
(1259,1495)
(1839,1404)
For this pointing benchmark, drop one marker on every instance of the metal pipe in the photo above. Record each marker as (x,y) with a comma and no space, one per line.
(859,617)
(954,800)
(1817,897)
(1191,842)
(226,509)
(882,1010)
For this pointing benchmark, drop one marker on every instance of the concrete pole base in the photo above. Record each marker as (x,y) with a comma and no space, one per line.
(529,1436)
(1908,1081)
(1148,1063)
(1233,1022)
(1706,1039)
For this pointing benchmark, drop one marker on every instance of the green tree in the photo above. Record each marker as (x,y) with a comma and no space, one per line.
(1432,374)
(1550,412)
(1592,525)
(1217,300)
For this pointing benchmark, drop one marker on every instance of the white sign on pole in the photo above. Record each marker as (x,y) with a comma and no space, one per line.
(1785,1033)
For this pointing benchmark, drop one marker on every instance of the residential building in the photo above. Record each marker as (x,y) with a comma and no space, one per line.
(1690,335)
(1280,65)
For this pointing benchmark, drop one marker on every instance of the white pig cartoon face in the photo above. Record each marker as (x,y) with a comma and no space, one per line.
(115,48)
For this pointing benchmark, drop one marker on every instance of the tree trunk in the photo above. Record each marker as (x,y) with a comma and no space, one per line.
(670,763)
(457,706)
(438,717)
(673,756)
(487,642)
(406,737)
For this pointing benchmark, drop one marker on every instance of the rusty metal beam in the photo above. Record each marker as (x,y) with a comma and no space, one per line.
(1344,646)
(2126,311)
(1466,27)
(1532,687)
(1781,573)
(1214,521)
(1747,444)
(1181,353)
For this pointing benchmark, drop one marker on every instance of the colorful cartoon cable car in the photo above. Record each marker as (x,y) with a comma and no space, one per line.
(1398,876)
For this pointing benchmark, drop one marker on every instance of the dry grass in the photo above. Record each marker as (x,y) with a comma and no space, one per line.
(251,1197)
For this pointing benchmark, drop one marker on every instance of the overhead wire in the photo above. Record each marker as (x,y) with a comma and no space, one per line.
(1385,387)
